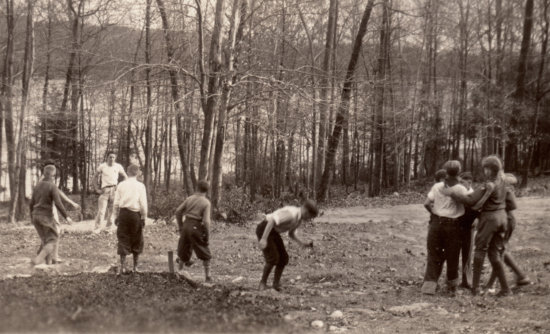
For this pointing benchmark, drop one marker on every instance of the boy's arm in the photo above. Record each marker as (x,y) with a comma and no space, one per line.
(293,236)
(489,187)
(206,216)
(179,212)
(428,204)
(143,209)
(68,200)
(59,204)
(122,173)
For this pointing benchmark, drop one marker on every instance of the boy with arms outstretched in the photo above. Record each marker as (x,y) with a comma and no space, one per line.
(286,219)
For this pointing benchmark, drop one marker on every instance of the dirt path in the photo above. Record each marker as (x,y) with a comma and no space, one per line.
(363,276)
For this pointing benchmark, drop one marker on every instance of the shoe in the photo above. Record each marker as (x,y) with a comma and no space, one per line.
(136,270)
(475,292)
(58,261)
(277,287)
(504,293)
(523,281)
(208,279)
(262,286)
(429,288)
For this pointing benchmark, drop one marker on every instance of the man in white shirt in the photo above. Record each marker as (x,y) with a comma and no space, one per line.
(130,208)
(444,232)
(105,181)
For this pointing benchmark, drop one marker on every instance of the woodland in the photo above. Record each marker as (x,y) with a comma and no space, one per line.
(273,97)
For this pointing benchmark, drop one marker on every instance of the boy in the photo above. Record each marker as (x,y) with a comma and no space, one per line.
(467,233)
(286,219)
(521,278)
(443,242)
(491,200)
(195,230)
(54,259)
(130,210)
(44,197)
(106,176)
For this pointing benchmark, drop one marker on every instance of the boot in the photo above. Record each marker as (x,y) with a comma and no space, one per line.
(267,270)
(477,270)
(521,278)
(491,281)
(498,269)
(277,277)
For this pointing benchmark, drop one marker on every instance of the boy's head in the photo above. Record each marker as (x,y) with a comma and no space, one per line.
(111,157)
(440,175)
(466,178)
(491,166)
(452,168)
(309,209)
(203,186)
(133,170)
(49,172)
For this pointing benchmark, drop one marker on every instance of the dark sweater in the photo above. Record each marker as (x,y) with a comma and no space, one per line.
(44,196)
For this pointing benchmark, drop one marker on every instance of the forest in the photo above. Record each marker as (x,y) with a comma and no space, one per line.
(273,97)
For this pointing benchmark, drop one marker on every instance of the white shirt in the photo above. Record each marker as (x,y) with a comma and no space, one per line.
(445,206)
(286,218)
(109,174)
(130,194)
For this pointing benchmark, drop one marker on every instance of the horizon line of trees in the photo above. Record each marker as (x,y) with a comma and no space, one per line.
(285,95)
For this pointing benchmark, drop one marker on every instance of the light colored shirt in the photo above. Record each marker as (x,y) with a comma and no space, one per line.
(446,206)
(286,219)
(109,174)
(130,194)
(196,206)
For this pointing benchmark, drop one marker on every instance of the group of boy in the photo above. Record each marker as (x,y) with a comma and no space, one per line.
(129,213)
(453,207)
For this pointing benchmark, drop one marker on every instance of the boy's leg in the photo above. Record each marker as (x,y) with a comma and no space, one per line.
(452,253)
(435,257)
(283,261)
(485,231)
(200,244)
(136,260)
(270,253)
(122,269)
(207,276)
(521,278)
(102,203)
(109,218)
(491,280)
(466,250)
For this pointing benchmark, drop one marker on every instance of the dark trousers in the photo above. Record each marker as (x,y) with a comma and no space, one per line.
(466,248)
(129,232)
(193,237)
(490,237)
(275,251)
(443,246)
(491,231)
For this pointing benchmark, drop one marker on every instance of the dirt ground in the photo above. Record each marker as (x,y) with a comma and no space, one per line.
(367,263)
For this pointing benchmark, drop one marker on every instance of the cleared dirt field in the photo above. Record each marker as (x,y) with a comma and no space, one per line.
(367,263)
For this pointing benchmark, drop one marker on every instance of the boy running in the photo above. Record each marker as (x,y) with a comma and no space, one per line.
(44,197)
(194,231)
(286,219)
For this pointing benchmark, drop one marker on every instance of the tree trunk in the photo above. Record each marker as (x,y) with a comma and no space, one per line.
(344,103)
(324,83)
(149,119)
